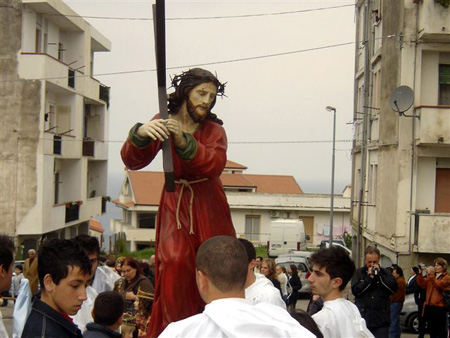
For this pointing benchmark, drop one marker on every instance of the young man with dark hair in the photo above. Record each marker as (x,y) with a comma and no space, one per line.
(332,270)
(228,313)
(107,313)
(258,288)
(372,286)
(64,273)
(7,249)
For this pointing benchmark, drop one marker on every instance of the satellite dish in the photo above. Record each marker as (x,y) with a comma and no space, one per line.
(402,98)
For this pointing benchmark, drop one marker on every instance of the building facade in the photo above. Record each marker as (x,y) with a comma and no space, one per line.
(54,153)
(255,200)
(401,162)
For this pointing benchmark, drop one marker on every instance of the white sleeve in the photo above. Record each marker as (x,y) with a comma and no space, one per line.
(325,321)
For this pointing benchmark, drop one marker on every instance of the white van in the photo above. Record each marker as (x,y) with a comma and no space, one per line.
(286,235)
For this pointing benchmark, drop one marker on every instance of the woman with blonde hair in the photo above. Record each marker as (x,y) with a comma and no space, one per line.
(268,269)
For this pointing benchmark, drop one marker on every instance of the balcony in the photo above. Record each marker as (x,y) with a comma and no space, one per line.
(34,66)
(430,233)
(433,22)
(433,128)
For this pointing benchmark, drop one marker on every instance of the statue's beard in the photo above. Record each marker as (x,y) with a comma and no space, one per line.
(196,113)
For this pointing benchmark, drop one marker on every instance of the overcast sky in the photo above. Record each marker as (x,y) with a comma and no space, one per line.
(281,70)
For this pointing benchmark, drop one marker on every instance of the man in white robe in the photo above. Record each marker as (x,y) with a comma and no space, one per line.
(258,288)
(332,270)
(228,313)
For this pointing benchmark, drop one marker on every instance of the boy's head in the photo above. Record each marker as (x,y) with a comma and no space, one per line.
(64,273)
(108,309)
(91,246)
(332,270)
(18,269)
(7,249)
(227,277)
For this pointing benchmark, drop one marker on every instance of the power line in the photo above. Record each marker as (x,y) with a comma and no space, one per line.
(200,18)
(196,65)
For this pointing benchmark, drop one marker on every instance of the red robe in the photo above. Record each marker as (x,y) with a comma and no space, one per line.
(176,294)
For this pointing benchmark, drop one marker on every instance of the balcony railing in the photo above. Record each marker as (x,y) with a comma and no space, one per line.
(104,94)
(72,211)
(430,233)
(434,125)
(433,22)
(88,147)
(57,142)
(71,80)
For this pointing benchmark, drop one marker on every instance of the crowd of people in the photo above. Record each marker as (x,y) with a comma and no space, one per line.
(76,293)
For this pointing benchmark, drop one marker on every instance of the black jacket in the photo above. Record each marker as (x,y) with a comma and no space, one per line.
(372,296)
(94,330)
(45,322)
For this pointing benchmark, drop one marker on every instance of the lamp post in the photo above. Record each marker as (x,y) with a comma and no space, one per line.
(328,108)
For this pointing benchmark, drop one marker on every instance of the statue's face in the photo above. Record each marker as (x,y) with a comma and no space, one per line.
(200,100)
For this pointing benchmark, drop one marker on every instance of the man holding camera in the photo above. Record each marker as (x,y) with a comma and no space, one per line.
(372,286)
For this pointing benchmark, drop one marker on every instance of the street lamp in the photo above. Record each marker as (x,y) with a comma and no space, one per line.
(328,108)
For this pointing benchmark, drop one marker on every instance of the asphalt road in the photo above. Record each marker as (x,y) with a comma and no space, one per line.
(7,313)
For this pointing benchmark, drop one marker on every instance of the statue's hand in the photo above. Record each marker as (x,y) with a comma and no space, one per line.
(154,129)
(176,130)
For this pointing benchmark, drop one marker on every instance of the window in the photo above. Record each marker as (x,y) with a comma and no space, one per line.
(372,193)
(146,220)
(444,85)
(252,227)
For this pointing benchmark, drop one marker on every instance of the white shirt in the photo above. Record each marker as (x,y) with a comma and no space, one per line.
(22,308)
(263,291)
(237,317)
(3,332)
(341,318)
(104,281)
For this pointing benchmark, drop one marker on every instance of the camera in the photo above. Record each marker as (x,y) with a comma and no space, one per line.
(422,266)
(374,271)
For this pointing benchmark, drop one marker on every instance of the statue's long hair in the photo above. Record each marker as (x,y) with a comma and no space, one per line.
(183,85)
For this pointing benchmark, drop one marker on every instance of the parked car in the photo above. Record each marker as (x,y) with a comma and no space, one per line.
(409,317)
(341,246)
(303,266)
(324,243)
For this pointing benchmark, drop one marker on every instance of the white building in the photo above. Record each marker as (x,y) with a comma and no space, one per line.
(401,164)
(255,200)
(54,122)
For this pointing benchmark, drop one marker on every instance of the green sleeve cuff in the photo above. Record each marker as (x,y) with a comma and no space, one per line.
(138,141)
(189,152)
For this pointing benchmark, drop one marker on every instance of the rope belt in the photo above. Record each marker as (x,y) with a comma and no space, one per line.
(187,184)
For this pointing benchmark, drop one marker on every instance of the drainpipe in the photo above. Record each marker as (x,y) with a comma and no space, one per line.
(364,119)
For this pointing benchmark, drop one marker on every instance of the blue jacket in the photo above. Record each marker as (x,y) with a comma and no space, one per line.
(45,322)
(94,330)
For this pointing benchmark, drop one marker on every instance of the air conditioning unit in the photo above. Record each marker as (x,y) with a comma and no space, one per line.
(274,213)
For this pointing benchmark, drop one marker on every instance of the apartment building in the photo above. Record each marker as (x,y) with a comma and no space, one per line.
(54,120)
(401,162)
(255,200)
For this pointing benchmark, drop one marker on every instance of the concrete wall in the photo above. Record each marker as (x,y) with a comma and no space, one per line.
(19,117)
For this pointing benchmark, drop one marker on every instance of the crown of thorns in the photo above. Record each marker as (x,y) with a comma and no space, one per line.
(201,74)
